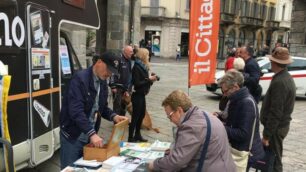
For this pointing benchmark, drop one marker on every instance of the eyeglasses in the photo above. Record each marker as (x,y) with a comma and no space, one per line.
(170,114)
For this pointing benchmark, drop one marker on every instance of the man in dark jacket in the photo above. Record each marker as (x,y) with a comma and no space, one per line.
(252,72)
(84,101)
(275,114)
(242,111)
(124,79)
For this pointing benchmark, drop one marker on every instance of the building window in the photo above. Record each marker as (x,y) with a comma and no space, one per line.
(284,10)
(237,7)
(255,12)
(187,5)
(244,8)
(232,7)
(222,6)
(227,6)
(272,13)
(241,38)
(263,11)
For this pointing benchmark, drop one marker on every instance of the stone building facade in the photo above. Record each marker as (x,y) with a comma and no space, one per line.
(298,30)
(166,25)
(123,23)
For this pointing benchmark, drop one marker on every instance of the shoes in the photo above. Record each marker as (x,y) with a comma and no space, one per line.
(140,139)
(132,140)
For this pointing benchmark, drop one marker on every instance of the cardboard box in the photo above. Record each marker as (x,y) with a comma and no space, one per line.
(112,148)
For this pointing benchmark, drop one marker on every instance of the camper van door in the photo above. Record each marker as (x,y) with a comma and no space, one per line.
(40,82)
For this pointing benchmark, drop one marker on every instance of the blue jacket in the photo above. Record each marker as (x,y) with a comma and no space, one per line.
(79,99)
(239,124)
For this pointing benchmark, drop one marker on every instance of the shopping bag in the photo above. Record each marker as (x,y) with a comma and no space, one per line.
(241,159)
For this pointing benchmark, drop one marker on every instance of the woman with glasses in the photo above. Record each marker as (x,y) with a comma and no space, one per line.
(142,82)
(242,115)
(187,149)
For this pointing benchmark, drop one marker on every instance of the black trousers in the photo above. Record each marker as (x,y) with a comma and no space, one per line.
(119,107)
(139,108)
(276,145)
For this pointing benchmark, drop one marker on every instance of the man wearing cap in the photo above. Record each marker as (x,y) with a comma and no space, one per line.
(123,79)
(85,101)
(278,105)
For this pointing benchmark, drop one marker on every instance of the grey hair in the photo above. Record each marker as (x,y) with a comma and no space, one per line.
(231,78)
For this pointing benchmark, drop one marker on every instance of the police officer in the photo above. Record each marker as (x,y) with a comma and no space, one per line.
(123,79)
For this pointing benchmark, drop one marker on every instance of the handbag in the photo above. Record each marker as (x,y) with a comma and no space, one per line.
(241,157)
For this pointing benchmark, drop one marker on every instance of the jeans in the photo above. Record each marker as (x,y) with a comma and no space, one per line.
(70,151)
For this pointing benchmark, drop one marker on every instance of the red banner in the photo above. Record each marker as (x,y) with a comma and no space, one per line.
(203,37)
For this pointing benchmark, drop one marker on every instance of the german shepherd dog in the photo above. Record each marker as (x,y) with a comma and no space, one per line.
(146,122)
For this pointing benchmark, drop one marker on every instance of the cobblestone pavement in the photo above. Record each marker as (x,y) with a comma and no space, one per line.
(174,76)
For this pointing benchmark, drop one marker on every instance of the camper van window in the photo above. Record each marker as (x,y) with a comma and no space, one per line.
(39,22)
(74,62)
(65,60)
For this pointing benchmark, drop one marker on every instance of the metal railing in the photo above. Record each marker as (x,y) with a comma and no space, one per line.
(246,20)
(153,11)
(227,17)
(272,24)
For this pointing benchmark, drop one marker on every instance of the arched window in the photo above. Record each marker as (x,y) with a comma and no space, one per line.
(284,11)
(241,38)
(221,44)
(230,42)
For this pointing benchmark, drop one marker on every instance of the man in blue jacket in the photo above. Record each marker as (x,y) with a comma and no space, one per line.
(85,101)
(251,73)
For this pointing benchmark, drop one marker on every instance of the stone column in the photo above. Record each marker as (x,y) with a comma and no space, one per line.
(297,40)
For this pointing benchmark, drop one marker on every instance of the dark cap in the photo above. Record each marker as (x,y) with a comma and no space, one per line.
(110,59)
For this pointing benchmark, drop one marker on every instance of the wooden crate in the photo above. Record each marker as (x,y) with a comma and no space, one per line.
(112,148)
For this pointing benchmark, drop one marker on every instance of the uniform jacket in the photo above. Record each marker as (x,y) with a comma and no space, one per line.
(140,78)
(278,103)
(125,73)
(240,121)
(188,145)
(251,78)
(79,99)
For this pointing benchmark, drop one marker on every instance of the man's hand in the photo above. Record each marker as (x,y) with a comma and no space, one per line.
(119,118)
(265,142)
(153,78)
(216,114)
(96,141)
(151,166)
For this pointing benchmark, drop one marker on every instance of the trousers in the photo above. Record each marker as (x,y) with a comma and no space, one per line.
(70,151)
(139,107)
(276,145)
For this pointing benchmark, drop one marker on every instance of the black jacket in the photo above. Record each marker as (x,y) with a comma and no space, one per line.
(252,75)
(239,124)
(278,104)
(140,78)
(125,73)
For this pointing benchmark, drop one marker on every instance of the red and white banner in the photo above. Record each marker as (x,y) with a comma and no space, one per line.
(203,41)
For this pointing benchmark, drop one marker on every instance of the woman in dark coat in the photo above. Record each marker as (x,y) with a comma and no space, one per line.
(242,111)
(142,81)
